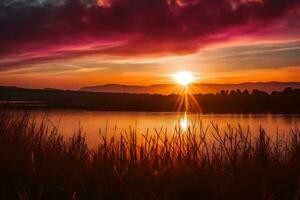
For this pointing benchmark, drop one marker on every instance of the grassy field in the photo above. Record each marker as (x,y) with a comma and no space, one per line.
(37,162)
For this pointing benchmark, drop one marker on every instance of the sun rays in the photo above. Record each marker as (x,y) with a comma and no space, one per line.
(187,102)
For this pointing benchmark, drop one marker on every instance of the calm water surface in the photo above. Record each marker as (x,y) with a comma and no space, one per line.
(114,123)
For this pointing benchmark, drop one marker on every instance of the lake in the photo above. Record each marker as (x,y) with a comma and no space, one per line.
(114,123)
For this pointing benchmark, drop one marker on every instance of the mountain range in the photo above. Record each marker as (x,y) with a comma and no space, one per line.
(203,88)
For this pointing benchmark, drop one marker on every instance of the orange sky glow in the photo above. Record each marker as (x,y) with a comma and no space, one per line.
(104,47)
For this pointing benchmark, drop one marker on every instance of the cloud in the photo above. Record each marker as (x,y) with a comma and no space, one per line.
(43,27)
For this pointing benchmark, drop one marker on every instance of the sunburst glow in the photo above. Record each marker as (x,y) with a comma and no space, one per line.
(184,78)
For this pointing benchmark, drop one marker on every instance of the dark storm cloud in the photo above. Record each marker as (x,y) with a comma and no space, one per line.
(156,25)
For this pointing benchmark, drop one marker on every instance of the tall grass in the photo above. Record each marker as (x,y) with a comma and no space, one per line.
(37,162)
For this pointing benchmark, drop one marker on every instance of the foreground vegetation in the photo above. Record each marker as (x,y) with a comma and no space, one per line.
(36,162)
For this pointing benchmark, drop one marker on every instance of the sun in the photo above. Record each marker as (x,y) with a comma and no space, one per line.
(184,78)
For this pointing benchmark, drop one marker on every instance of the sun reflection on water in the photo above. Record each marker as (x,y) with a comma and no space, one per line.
(184,122)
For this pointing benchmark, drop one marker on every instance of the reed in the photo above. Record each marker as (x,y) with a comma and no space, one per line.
(202,162)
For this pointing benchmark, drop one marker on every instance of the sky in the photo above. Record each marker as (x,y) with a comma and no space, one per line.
(69,44)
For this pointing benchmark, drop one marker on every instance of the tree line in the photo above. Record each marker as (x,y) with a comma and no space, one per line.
(286,101)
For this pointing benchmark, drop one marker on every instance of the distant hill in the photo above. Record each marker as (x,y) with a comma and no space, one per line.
(286,101)
(203,88)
